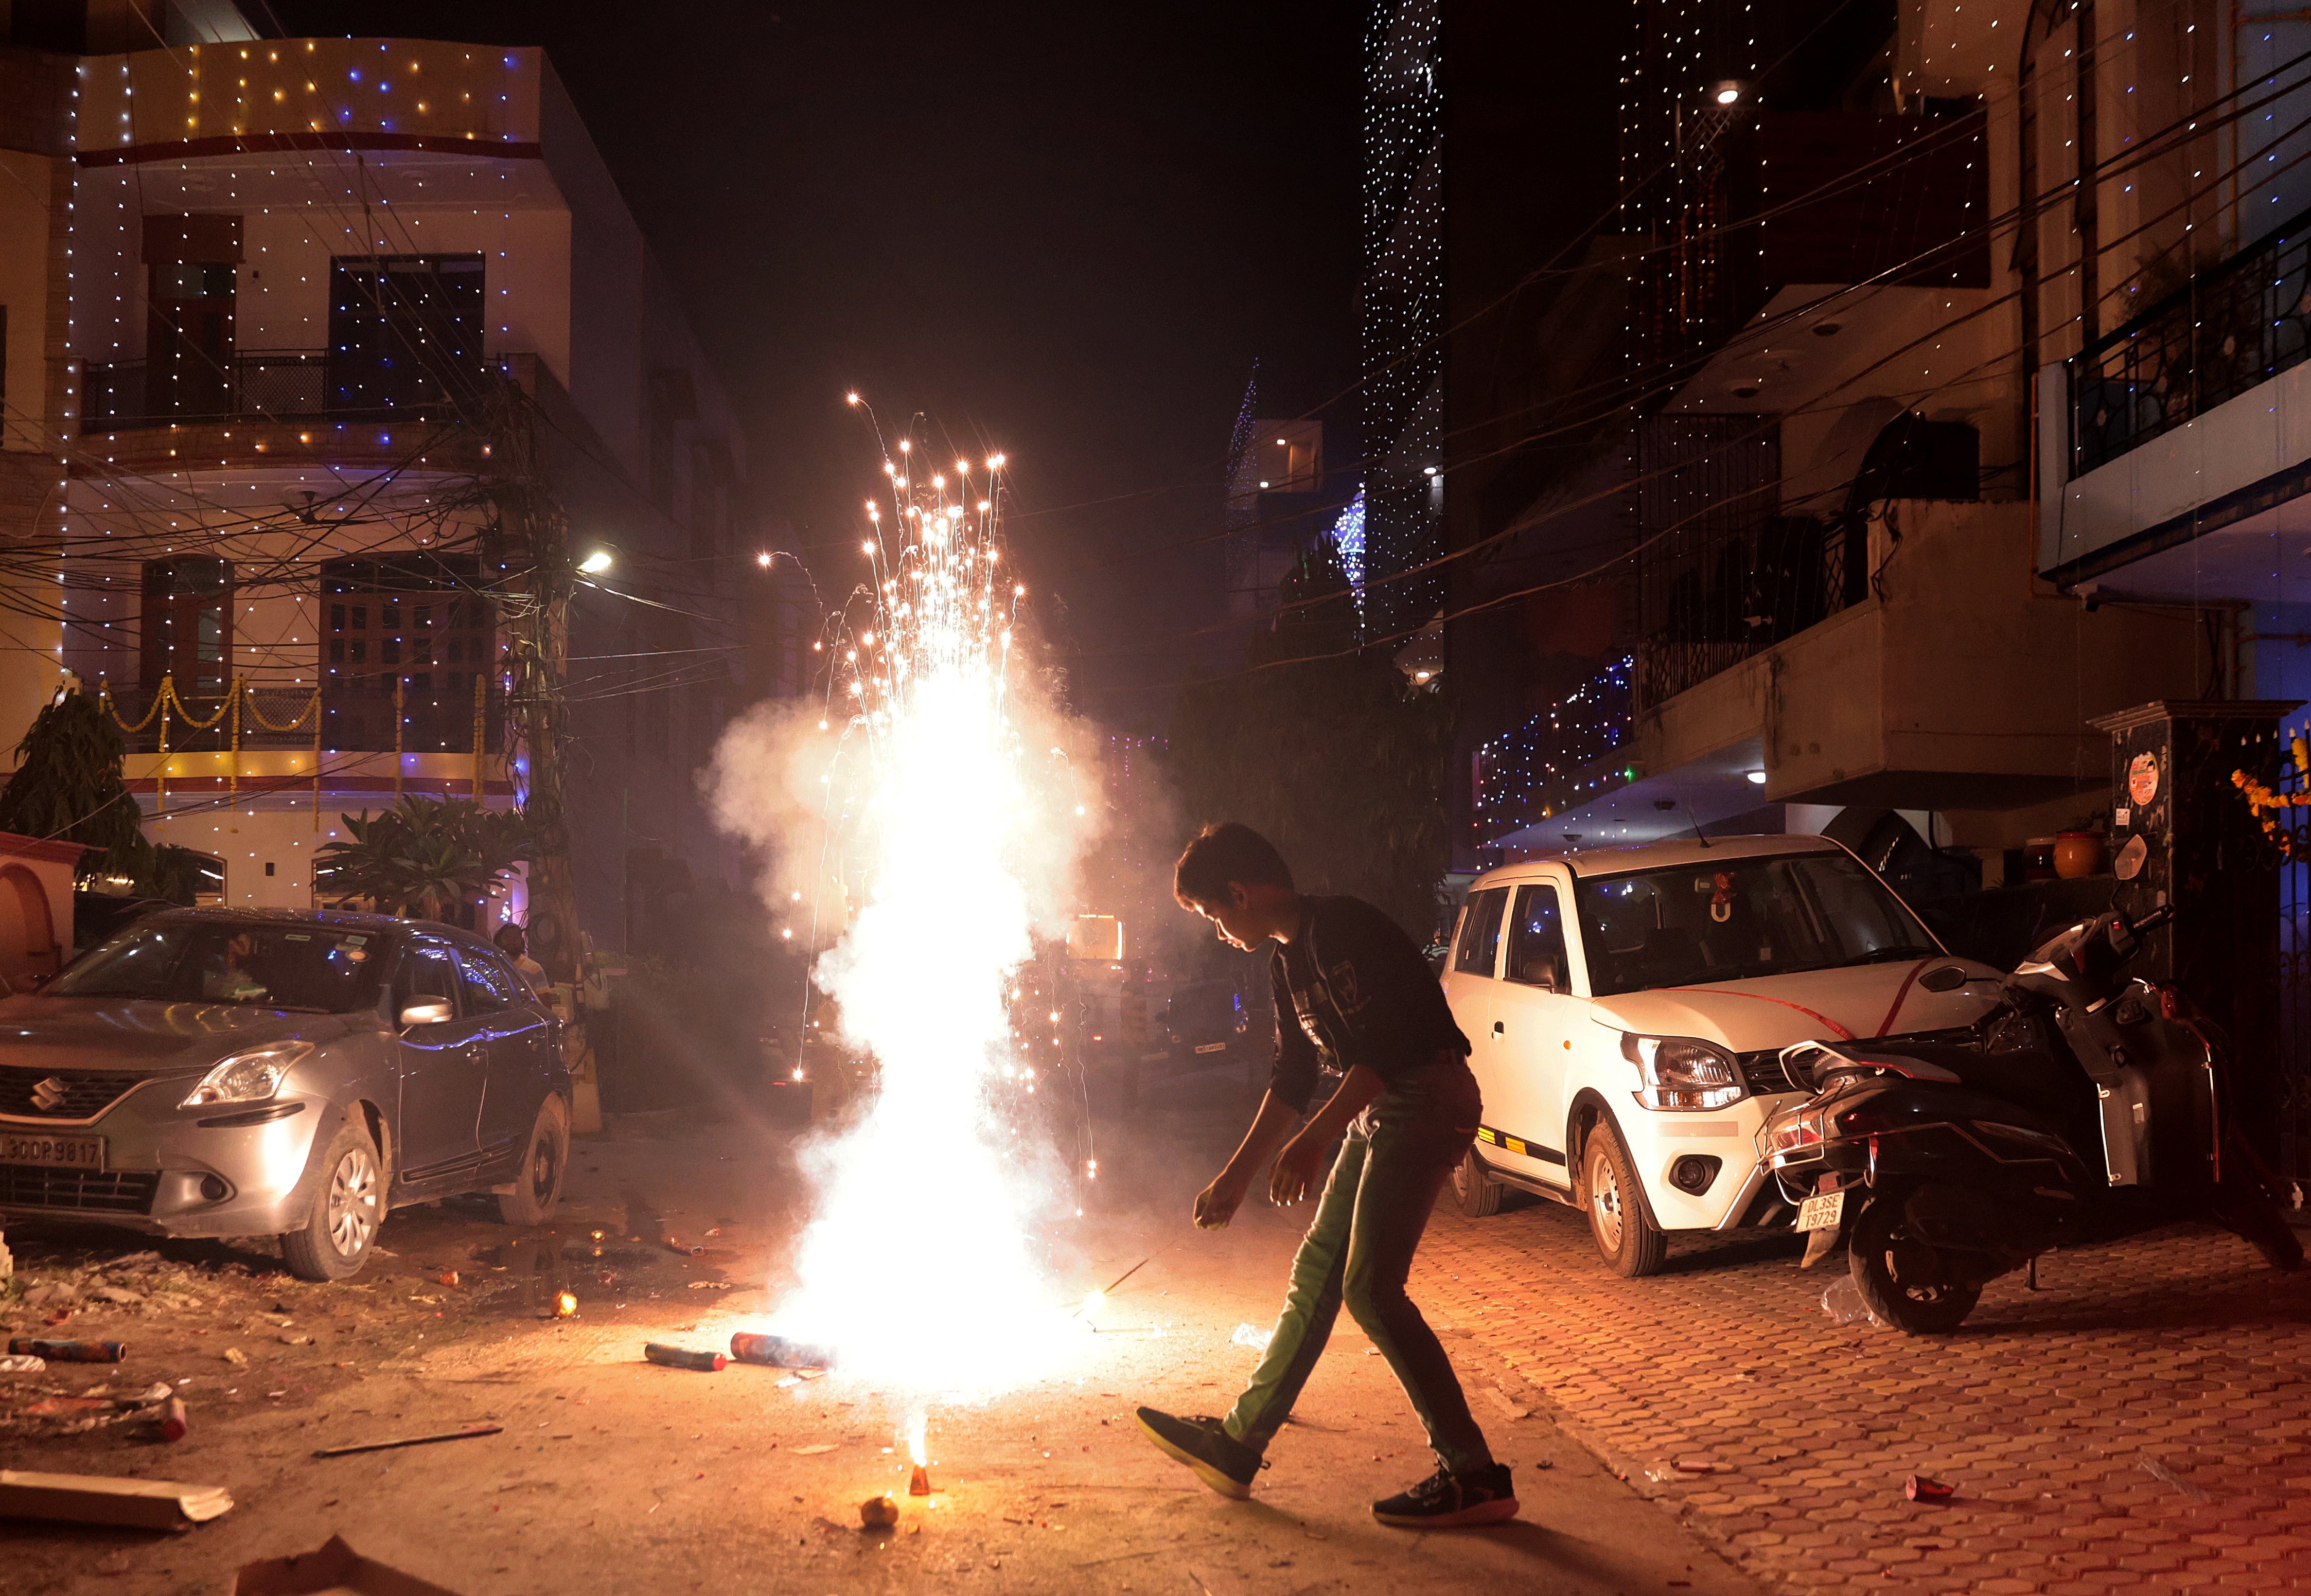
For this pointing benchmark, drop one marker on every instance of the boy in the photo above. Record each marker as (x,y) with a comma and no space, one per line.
(1365,1004)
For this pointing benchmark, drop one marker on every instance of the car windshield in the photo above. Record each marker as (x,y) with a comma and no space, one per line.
(1740,918)
(316,969)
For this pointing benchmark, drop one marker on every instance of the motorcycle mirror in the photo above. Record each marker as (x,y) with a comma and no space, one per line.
(1943,979)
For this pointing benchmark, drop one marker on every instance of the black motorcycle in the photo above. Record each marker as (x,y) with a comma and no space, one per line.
(2093,1107)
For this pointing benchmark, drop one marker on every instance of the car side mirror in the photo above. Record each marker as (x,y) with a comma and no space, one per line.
(425,1011)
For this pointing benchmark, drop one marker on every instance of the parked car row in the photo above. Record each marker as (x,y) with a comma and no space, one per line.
(209,1072)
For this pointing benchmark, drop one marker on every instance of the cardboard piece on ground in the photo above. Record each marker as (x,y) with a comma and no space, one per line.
(102,1499)
(335,1570)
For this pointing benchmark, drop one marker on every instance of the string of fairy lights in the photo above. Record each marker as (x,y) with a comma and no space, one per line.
(1402,296)
(1555,761)
(1413,29)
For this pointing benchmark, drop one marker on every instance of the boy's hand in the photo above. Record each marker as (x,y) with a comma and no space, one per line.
(1217,1204)
(1295,1170)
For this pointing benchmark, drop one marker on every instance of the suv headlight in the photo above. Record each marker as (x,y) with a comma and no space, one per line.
(251,1076)
(1678,1072)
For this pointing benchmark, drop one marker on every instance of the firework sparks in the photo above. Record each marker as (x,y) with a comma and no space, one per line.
(953,833)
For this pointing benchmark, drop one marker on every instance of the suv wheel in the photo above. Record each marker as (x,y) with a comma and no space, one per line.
(1473,1185)
(347,1208)
(537,1183)
(1625,1236)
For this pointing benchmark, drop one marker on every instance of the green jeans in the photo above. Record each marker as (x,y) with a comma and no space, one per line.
(1394,1160)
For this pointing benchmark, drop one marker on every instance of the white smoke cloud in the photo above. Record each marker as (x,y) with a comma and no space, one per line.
(936,840)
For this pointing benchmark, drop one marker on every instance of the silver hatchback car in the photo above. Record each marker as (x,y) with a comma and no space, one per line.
(212,1072)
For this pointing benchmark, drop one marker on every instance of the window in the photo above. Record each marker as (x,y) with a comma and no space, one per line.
(1480,932)
(187,623)
(405,331)
(313,968)
(489,985)
(427,974)
(1741,920)
(1537,940)
(188,339)
(417,620)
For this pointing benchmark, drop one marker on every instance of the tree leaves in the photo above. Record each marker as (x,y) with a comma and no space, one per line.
(1325,748)
(68,786)
(425,854)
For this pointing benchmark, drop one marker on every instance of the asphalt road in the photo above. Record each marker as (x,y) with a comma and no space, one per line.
(610,1474)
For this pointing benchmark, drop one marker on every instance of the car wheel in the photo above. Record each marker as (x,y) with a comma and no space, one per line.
(1473,1185)
(347,1208)
(1903,1281)
(537,1183)
(1627,1238)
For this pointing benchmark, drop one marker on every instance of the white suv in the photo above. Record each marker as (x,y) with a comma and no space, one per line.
(1627,1007)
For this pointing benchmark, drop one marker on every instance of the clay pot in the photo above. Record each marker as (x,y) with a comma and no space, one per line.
(2078,854)
(2038,860)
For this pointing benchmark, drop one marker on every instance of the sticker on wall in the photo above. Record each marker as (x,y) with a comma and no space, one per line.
(2143,778)
(2129,863)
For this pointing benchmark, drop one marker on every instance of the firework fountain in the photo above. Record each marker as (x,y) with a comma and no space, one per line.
(935,786)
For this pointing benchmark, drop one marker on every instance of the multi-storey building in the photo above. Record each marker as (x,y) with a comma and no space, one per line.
(313,346)
(1958,388)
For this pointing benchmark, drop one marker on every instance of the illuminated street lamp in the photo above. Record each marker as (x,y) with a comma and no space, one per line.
(595,563)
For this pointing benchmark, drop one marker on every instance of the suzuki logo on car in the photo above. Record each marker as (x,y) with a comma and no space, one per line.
(48,1094)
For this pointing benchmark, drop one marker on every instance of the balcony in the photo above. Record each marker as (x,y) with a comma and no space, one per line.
(356,714)
(298,95)
(1709,599)
(2173,445)
(2231,329)
(274,385)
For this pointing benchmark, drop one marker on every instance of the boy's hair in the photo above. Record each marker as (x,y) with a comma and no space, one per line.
(1228,851)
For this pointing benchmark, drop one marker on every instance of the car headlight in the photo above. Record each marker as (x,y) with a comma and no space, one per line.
(1678,1072)
(251,1076)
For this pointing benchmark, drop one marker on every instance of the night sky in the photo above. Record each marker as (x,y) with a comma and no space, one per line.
(1066,232)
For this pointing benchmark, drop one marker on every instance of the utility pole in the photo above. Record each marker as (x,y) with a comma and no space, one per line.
(536,531)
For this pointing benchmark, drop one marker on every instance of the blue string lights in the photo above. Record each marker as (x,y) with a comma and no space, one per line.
(1550,763)
(1349,537)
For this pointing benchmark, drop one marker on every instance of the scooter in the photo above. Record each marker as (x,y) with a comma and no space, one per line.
(2093,1108)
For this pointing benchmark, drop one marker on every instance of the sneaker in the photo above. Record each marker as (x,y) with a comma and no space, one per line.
(1219,1460)
(1445,1500)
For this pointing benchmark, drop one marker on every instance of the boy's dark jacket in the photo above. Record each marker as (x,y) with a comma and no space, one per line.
(1361,994)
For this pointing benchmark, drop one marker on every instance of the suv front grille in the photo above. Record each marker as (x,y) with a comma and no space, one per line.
(88,1093)
(1764,1075)
(114,1191)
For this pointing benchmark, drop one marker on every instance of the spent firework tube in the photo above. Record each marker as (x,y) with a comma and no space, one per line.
(174,1420)
(1919,1489)
(682,1357)
(68,1352)
(779,1352)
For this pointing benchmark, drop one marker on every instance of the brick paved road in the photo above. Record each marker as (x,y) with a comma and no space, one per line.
(2047,1412)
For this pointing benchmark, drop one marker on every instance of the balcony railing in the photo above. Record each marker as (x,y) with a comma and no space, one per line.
(356,714)
(1710,599)
(2232,327)
(274,385)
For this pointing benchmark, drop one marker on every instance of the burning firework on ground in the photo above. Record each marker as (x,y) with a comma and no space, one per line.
(948,815)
